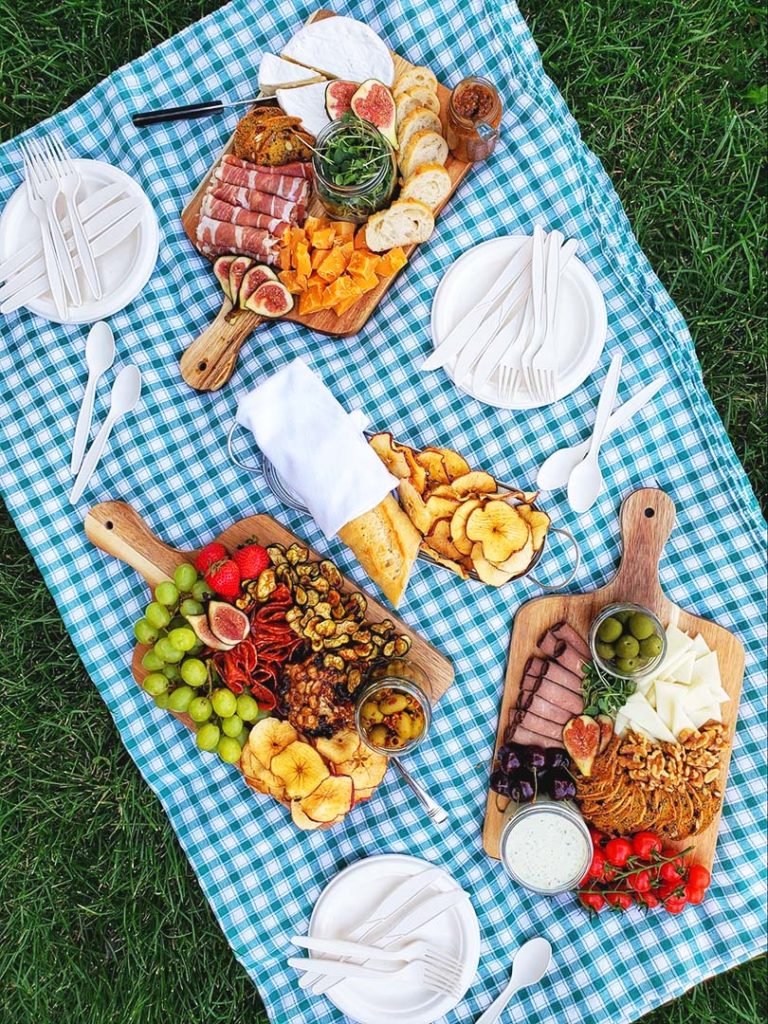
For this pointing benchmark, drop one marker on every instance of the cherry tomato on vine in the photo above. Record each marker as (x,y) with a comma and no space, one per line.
(649,900)
(621,900)
(645,844)
(597,865)
(640,881)
(670,873)
(598,837)
(699,877)
(618,852)
(668,889)
(693,894)
(674,904)
(592,901)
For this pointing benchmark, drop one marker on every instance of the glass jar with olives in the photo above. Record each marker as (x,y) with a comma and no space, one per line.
(394,709)
(627,640)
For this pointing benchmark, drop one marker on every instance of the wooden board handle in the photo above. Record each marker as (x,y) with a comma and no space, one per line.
(114,527)
(647,519)
(210,360)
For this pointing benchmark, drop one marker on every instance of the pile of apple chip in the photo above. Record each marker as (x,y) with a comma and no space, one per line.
(467,523)
(321,779)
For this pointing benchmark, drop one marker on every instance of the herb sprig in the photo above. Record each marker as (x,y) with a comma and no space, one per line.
(603,693)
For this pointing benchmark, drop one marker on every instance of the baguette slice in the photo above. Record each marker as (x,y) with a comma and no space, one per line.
(430,183)
(386,544)
(422,148)
(406,222)
(420,119)
(412,98)
(415,77)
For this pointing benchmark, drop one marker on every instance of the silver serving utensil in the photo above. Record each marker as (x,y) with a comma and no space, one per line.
(528,968)
(126,392)
(434,811)
(99,356)
(586,480)
(556,469)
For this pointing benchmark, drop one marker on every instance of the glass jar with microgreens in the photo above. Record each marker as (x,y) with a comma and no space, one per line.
(355,169)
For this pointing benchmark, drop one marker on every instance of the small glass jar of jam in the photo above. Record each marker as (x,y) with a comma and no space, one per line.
(474,116)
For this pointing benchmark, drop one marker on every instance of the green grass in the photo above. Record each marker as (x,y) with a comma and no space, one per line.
(101,918)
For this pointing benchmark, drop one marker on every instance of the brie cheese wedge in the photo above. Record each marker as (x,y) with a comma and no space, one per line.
(276,73)
(306,102)
(342,47)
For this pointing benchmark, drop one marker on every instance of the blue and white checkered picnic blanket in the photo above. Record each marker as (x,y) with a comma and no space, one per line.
(260,875)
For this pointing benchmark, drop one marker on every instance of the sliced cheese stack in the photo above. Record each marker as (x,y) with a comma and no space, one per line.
(684,692)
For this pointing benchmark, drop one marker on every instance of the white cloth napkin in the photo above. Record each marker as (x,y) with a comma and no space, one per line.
(316,446)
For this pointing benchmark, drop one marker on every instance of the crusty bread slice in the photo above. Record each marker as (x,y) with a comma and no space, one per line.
(406,221)
(412,98)
(420,119)
(422,148)
(429,183)
(386,544)
(419,76)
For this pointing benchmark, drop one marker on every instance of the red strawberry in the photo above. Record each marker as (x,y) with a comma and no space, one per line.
(252,560)
(224,577)
(211,553)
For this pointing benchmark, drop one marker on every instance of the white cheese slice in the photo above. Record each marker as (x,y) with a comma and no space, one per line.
(700,645)
(706,714)
(706,668)
(698,695)
(684,668)
(276,73)
(668,697)
(620,724)
(342,47)
(678,645)
(681,720)
(306,102)
(644,719)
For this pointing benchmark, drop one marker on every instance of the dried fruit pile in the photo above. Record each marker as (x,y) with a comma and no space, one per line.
(468,524)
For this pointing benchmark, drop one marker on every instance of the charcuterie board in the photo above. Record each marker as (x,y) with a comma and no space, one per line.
(647,519)
(209,361)
(118,529)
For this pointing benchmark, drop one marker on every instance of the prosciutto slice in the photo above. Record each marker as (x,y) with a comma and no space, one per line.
(294,170)
(260,202)
(216,237)
(217,209)
(294,189)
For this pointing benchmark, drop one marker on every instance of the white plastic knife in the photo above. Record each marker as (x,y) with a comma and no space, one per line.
(464,330)
(537,306)
(424,912)
(395,903)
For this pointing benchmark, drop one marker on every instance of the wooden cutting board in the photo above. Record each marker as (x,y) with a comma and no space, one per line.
(210,360)
(647,519)
(120,531)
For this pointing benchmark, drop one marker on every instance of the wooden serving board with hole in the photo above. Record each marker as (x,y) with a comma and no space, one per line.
(210,360)
(647,519)
(120,531)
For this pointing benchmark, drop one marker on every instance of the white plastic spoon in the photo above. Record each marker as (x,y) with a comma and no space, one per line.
(528,968)
(586,480)
(126,392)
(99,356)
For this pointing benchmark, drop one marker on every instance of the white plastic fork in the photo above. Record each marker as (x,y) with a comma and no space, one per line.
(509,369)
(437,971)
(63,167)
(39,209)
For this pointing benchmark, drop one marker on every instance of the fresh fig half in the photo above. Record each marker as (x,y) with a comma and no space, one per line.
(338,98)
(581,738)
(606,731)
(221,270)
(199,624)
(227,623)
(373,102)
(237,271)
(270,299)
(252,278)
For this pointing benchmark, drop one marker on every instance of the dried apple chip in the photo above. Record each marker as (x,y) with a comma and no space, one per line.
(414,506)
(439,540)
(487,571)
(449,563)
(300,819)
(393,458)
(440,507)
(269,737)
(538,522)
(519,561)
(366,768)
(329,800)
(459,524)
(478,480)
(432,461)
(456,465)
(300,768)
(338,748)
(499,528)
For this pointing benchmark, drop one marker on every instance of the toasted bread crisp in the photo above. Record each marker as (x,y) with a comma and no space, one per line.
(267,137)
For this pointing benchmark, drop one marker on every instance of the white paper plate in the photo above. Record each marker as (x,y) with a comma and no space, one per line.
(123,271)
(350,899)
(580,327)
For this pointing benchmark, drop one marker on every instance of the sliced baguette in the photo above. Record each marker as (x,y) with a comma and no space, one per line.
(420,119)
(429,183)
(422,148)
(415,77)
(386,544)
(406,222)
(412,98)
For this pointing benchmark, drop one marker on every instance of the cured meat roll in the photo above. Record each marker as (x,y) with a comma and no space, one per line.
(294,189)
(217,209)
(217,237)
(294,170)
(260,202)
